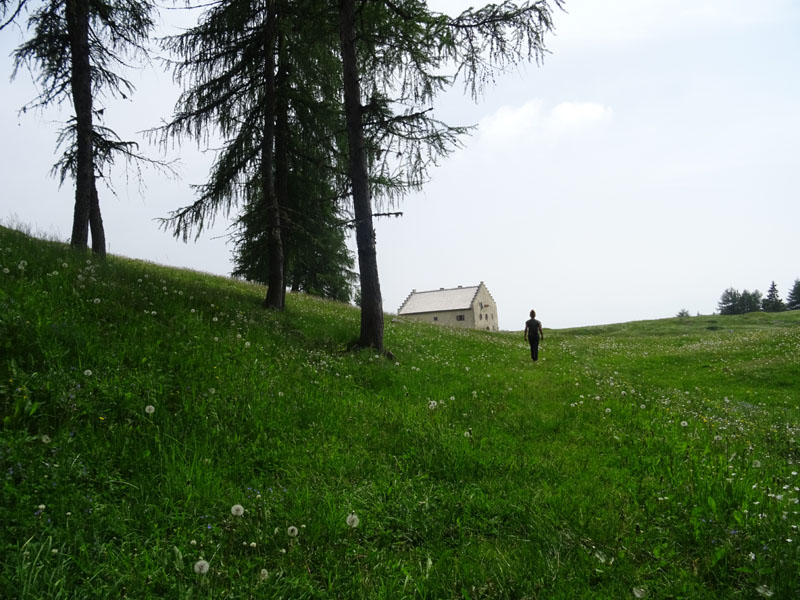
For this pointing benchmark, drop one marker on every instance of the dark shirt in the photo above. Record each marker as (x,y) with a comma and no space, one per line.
(533,326)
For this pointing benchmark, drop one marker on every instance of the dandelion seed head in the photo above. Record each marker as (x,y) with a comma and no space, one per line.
(432,404)
(201,567)
(764,591)
(149,409)
(640,591)
(684,424)
(237,510)
(263,575)
(96,300)
(352,520)
(88,372)
(292,531)
(757,464)
(45,439)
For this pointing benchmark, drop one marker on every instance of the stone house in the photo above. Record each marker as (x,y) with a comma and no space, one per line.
(469,307)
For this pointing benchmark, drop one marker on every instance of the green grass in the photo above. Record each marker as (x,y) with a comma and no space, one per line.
(656,459)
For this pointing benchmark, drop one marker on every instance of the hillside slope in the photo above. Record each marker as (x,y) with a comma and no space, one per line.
(142,407)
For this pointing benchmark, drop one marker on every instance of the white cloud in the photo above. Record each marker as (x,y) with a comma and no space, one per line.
(577,115)
(512,123)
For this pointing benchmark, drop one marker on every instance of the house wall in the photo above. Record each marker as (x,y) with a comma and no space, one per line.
(446,317)
(484,310)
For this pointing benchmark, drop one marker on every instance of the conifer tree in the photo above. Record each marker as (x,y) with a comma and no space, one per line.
(750,302)
(77,49)
(259,75)
(772,302)
(793,299)
(730,302)
(393,54)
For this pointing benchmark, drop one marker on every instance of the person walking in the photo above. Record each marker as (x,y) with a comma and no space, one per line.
(533,333)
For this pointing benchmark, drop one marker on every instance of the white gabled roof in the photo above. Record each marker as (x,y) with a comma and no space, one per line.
(437,300)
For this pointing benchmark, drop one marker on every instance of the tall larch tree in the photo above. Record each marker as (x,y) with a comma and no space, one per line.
(78,49)
(241,65)
(393,54)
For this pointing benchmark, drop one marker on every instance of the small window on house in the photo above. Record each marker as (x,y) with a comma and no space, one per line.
(459,317)
(435,318)
(480,317)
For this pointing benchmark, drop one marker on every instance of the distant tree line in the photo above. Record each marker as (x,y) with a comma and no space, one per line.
(734,302)
(324,110)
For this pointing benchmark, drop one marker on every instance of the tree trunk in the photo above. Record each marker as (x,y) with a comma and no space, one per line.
(77,16)
(282,156)
(275,279)
(96,223)
(371,302)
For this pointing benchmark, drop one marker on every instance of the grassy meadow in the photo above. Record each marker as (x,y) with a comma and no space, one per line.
(163,436)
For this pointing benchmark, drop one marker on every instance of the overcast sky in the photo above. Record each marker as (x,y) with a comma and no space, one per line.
(649,163)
